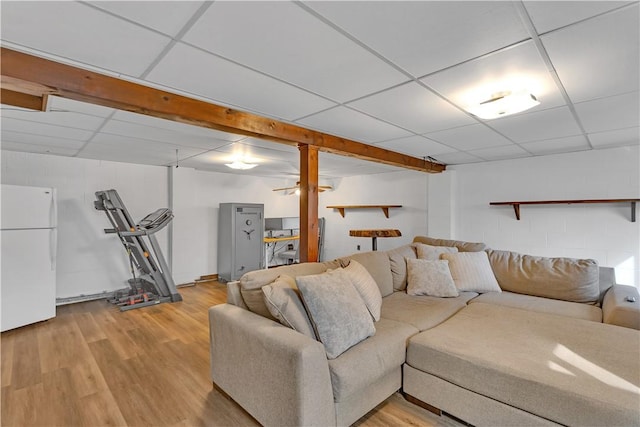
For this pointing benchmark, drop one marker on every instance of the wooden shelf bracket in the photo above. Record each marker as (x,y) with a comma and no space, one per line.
(516,205)
(385,208)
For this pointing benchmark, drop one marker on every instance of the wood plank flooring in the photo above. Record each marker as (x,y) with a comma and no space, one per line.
(96,366)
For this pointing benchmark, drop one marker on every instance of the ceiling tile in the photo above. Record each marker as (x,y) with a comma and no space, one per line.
(514,69)
(499,153)
(35,128)
(413,107)
(126,154)
(418,37)
(231,84)
(36,148)
(42,140)
(613,112)
(165,16)
(56,118)
(471,137)
(215,161)
(545,124)
(178,139)
(549,15)
(416,146)
(283,40)
(558,145)
(629,136)
(256,154)
(170,125)
(81,33)
(270,145)
(57,103)
(457,158)
(599,57)
(344,122)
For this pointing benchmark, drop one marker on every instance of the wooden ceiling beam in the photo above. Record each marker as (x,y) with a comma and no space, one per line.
(23,100)
(29,72)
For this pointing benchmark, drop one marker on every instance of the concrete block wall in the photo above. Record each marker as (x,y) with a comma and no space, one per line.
(600,231)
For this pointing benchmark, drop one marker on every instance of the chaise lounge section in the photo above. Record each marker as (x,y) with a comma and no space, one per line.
(488,358)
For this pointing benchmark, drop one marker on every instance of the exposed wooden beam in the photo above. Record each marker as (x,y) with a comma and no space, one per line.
(308,203)
(29,71)
(23,100)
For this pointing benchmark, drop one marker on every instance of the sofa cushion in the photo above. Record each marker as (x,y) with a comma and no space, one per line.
(461,245)
(378,265)
(398,259)
(566,279)
(366,287)
(370,360)
(252,282)
(433,252)
(422,312)
(542,305)
(430,277)
(570,371)
(471,271)
(283,302)
(339,316)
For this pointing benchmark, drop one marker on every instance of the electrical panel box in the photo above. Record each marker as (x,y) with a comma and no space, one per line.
(240,239)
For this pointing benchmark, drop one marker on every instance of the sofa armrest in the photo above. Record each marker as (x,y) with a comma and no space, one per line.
(280,376)
(618,310)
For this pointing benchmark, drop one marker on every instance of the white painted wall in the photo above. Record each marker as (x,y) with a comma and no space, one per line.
(89,261)
(197,195)
(601,231)
(406,188)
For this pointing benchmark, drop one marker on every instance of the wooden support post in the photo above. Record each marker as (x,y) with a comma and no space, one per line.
(308,203)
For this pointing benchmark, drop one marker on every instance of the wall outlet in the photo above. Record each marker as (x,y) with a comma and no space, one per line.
(358,247)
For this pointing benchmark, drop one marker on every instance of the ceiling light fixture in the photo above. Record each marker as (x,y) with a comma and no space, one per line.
(503,104)
(239,164)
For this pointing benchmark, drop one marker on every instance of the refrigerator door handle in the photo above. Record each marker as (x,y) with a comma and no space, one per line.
(53,244)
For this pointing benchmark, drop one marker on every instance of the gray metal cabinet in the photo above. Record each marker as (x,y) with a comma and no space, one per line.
(240,239)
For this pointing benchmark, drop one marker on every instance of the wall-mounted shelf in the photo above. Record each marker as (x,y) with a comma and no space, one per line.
(385,208)
(516,205)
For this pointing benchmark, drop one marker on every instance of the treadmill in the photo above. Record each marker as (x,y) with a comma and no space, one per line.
(154,285)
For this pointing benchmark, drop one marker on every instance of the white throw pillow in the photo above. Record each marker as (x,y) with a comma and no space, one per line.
(433,252)
(366,286)
(283,301)
(472,271)
(338,313)
(430,277)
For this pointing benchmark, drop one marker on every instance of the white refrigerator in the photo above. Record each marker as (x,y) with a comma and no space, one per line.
(28,257)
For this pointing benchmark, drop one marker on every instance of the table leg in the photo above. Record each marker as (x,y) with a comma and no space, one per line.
(374,243)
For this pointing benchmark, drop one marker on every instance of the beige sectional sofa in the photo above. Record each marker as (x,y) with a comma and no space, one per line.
(493,358)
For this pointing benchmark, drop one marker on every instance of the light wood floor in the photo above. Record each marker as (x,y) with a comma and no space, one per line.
(96,366)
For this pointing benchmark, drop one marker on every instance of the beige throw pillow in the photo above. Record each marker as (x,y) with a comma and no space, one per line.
(471,271)
(430,277)
(338,314)
(398,259)
(433,252)
(366,287)
(283,302)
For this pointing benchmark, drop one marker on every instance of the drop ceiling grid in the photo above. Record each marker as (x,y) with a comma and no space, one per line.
(386,113)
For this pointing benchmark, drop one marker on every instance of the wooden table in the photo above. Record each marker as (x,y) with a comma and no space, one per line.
(374,234)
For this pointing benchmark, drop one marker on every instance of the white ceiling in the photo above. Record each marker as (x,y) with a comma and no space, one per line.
(394,74)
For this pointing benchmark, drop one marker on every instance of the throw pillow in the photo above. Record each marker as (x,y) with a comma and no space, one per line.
(471,271)
(433,252)
(283,302)
(338,314)
(398,259)
(427,277)
(366,287)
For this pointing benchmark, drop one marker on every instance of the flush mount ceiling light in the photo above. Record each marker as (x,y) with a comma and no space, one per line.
(503,104)
(239,164)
